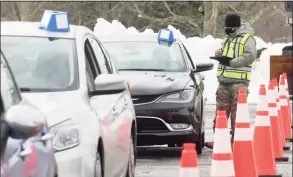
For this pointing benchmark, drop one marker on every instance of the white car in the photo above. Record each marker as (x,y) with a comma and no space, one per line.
(26,144)
(70,78)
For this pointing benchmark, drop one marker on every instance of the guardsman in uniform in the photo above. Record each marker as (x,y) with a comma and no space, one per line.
(235,58)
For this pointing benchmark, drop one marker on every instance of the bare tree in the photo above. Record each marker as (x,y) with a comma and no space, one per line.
(210,18)
(193,18)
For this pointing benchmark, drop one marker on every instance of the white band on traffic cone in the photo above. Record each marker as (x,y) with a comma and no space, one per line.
(273,111)
(222,142)
(222,168)
(242,113)
(263,103)
(282,90)
(271,96)
(263,121)
(243,134)
(189,172)
(283,102)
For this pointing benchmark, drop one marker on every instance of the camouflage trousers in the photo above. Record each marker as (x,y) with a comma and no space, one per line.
(226,97)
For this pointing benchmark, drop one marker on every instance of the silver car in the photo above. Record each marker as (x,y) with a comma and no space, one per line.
(26,145)
(69,77)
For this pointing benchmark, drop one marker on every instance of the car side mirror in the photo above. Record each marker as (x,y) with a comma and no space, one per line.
(109,83)
(24,121)
(203,67)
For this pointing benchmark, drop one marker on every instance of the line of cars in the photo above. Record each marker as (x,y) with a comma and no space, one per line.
(93,100)
(64,71)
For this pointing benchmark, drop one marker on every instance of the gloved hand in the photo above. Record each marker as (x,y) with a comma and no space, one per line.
(222,60)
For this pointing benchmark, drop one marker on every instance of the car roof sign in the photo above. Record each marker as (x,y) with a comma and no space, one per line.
(55,21)
(166,37)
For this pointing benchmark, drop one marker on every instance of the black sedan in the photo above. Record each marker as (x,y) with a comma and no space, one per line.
(166,88)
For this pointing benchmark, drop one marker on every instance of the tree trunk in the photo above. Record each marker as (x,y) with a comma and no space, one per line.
(210,18)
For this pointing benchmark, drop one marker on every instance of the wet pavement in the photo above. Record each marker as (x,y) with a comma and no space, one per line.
(163,161)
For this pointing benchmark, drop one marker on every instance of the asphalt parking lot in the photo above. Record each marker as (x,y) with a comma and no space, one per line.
(164,162)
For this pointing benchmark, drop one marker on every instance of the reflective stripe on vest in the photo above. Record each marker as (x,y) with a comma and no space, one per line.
(234,49)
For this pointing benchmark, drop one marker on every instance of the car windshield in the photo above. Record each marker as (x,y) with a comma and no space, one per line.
(146,56)
(42,64)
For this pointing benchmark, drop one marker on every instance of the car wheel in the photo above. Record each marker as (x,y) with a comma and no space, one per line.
(200,144)
(203,139)
(98,166)
(131,161)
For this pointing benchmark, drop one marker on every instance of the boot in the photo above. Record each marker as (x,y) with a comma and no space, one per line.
(209,144)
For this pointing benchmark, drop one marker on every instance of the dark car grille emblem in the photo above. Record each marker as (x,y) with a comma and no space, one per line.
(140,99)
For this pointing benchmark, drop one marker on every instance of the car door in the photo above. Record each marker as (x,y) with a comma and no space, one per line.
(108,108)
(117,127)
(198,82)
(128,113)
(13,161)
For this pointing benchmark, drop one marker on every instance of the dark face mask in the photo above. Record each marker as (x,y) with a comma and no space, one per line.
(229,31)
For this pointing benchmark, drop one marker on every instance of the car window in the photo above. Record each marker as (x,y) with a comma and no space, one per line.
(109,65)
(92,67)
(42,64)
(146,55)
(9,91)
(103,63)
(188,58)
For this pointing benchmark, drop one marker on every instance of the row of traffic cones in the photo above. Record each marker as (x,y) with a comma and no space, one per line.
(254,152)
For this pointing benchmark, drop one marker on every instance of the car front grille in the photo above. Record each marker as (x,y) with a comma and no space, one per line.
(150,125)
(139,99)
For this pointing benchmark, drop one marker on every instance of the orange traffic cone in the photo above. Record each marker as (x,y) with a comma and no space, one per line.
(287,91)
(263,145)
(285,110)
(189,164)
(282,136)
(275,124)
(222,159)
(243,141)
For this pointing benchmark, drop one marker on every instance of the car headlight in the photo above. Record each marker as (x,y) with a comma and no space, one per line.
(66,135)
(184,96)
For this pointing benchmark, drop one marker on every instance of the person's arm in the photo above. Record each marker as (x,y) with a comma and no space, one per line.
(249,56)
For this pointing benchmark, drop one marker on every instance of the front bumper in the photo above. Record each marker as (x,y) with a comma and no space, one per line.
(76,162)
(156,123)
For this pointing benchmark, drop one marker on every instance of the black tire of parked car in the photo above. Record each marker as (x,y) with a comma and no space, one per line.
(98,166)
(200,143)
(201,140)
(131,161)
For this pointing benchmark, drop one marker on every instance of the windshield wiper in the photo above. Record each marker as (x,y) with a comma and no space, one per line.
(25,89)
(139,69)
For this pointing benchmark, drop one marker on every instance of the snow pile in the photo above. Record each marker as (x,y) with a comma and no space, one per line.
(200,50)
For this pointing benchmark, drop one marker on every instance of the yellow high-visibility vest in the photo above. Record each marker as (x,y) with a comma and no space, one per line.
(234,49)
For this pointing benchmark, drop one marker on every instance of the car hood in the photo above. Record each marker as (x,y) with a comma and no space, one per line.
(56,106)
(155,83)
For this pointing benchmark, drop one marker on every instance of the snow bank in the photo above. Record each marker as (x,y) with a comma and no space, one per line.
(200,50)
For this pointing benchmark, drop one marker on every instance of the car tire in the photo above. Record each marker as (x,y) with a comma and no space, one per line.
(131,161)
(201,140)
(98,166)
(200,143)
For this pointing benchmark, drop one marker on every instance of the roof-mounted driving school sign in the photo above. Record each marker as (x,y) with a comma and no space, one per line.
(166,37)
(55,21)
